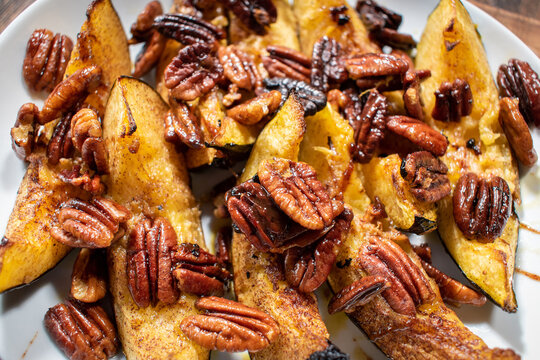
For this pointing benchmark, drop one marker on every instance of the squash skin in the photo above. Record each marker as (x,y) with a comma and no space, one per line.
(489,265)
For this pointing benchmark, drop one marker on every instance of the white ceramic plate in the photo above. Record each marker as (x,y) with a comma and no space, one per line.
(21,311)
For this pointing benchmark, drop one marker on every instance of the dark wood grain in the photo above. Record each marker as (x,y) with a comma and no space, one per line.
(520,16)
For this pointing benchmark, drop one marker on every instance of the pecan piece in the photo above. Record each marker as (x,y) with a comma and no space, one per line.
(359,293)
(91,224)
(375,66)
(254,110)
(223,244)
(426,176)
(60,146)
(369,123)
(67,94)
(519,80)
(86,136)
(239,68)
(311,99)
(142,28)
(182,127)
(308,268)
(74,177)
(326,67)
(452,101)
(193,72)
(256,15)
(88,282)
(517,132)
(419,133)
(199,272)
(286,62)
(46,59)
(82,331)
(297,191)
(23,133)
(482,206)
(150,54)
(188,30)
(228,325)
(149,262)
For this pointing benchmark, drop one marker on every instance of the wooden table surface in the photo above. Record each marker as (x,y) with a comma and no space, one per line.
(520,16)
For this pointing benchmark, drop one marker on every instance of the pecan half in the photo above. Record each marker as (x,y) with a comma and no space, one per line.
(254,110)
(223,244)
(193,72)
(149,262)
(71,91)
(86,136)
(308,268)
(371,69)
(311,99)
(326,66)
(88,282)
(188,29)
(519,80)
(91,224)
(369,123)
(227,325)
(182,127)
(23,133)
(383,24)
(256,15)
(150,54)
(199,272)
(452,101)
(359,293)
(426,176)
(46,59)
(286,62)
(482,206)
(239,68)
(74,177)
(517,132)
(60,146)
(419,133)
(142,28)
(297,191)
(82,331)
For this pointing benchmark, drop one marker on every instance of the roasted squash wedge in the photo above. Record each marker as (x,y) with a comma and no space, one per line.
(28,250)
(435,332)
(451,48)
(149,178)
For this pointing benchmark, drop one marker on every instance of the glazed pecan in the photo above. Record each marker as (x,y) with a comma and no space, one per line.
(372,70)
(150,261)
(233,95)
(452,101)
(82,331)
(199,272)
(451,290)
(311,99)
(296,190)
(326,66)
(188,29)
(239,68)
(383,24)
(308,268)
(254,110)
(369,123)
(517,132)
(46,59)
(88,282)
(426,176)
(519,80)
(193,72)
(482,206)
(286,62)
(92,224)
(256,15)
(228,325)
(182,127)
(223,244)
(408,285)
(23,133)
(60,146)
(74,177)
(86,136)
(142,29)
(359,293)
(339,15)
(419,133)
(71,91)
